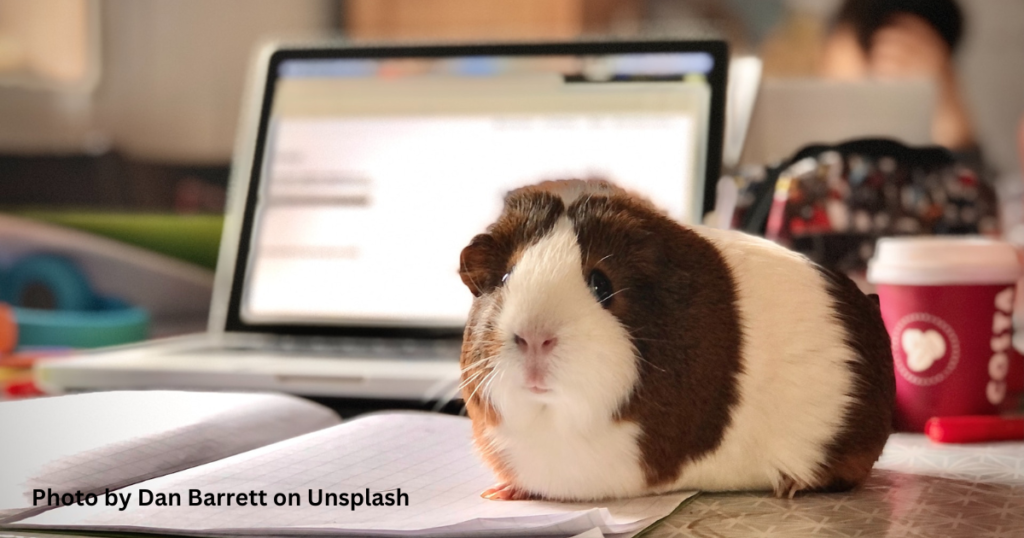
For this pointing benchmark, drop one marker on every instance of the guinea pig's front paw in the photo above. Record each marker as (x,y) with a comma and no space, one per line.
(507,492)
(788,487)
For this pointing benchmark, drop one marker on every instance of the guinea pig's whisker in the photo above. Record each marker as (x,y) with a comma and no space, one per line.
(475,285)
(475,364)
(649,339)
(482,370)
(472,394)
(613,294)
(479,377)
(490,381)
(655,366)
(448,398)
(465,382)
(469,370)
(605,258)
(480,384)
(635,330)
(482,360)
(468,376)
(633,336)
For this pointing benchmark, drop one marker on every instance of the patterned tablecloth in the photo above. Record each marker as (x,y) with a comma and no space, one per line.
(918,488)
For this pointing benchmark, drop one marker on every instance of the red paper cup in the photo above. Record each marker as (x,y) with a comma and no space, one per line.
(948,306)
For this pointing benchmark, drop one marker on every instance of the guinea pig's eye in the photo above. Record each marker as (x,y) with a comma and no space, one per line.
(600,286)
(504,279)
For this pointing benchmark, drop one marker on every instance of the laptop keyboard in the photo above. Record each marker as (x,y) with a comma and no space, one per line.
(395,348)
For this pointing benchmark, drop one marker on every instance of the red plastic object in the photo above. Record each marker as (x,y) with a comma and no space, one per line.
(975,429)
(22,389)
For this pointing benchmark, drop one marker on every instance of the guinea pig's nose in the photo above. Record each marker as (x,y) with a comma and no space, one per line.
(535,343)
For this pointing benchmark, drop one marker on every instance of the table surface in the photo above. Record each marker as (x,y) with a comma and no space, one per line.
(917,488)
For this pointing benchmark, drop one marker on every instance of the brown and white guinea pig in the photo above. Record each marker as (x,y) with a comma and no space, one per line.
(612,352)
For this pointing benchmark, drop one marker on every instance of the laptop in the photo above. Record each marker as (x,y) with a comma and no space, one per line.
(359,175)
(793,113)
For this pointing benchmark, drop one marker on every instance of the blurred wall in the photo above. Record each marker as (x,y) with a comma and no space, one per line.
(490,19)
(991,65)
(172,74)
(175,70)
(172,71)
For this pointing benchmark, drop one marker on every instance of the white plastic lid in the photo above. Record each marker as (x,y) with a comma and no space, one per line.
(931,261)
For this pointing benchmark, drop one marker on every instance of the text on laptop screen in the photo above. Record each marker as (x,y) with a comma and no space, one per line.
(377,173)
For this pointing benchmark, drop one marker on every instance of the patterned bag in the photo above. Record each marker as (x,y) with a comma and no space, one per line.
(832,202)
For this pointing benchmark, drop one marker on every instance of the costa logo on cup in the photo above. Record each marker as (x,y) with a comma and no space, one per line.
(926,349)
(999,364)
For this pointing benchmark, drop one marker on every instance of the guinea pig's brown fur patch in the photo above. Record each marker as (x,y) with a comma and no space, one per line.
(676,297)
(868,423)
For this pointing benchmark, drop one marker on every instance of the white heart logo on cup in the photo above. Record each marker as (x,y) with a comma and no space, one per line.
(923,348)
(1004,300)
(918,350)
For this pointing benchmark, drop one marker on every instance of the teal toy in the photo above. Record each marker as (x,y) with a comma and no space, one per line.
(54,305)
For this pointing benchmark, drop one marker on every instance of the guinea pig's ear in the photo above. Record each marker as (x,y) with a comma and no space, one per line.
(477,262)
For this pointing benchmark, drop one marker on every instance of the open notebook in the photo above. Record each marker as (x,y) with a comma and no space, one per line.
(421,465)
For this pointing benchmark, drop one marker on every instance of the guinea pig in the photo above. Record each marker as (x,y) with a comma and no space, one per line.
(612,352)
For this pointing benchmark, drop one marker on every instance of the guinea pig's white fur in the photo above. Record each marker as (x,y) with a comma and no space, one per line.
(565,442)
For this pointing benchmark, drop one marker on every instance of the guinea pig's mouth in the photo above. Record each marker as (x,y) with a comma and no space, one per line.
(537,389)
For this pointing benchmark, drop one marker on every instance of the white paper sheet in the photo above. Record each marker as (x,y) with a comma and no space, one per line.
(90,442)
(428,457)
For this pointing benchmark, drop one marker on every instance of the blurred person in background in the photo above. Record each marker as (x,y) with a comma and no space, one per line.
(889,39)
(871,192)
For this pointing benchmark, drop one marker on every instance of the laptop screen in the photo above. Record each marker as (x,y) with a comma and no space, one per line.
(376,172)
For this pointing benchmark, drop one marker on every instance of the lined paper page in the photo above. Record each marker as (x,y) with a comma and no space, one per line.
(90,442)
(429,457)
